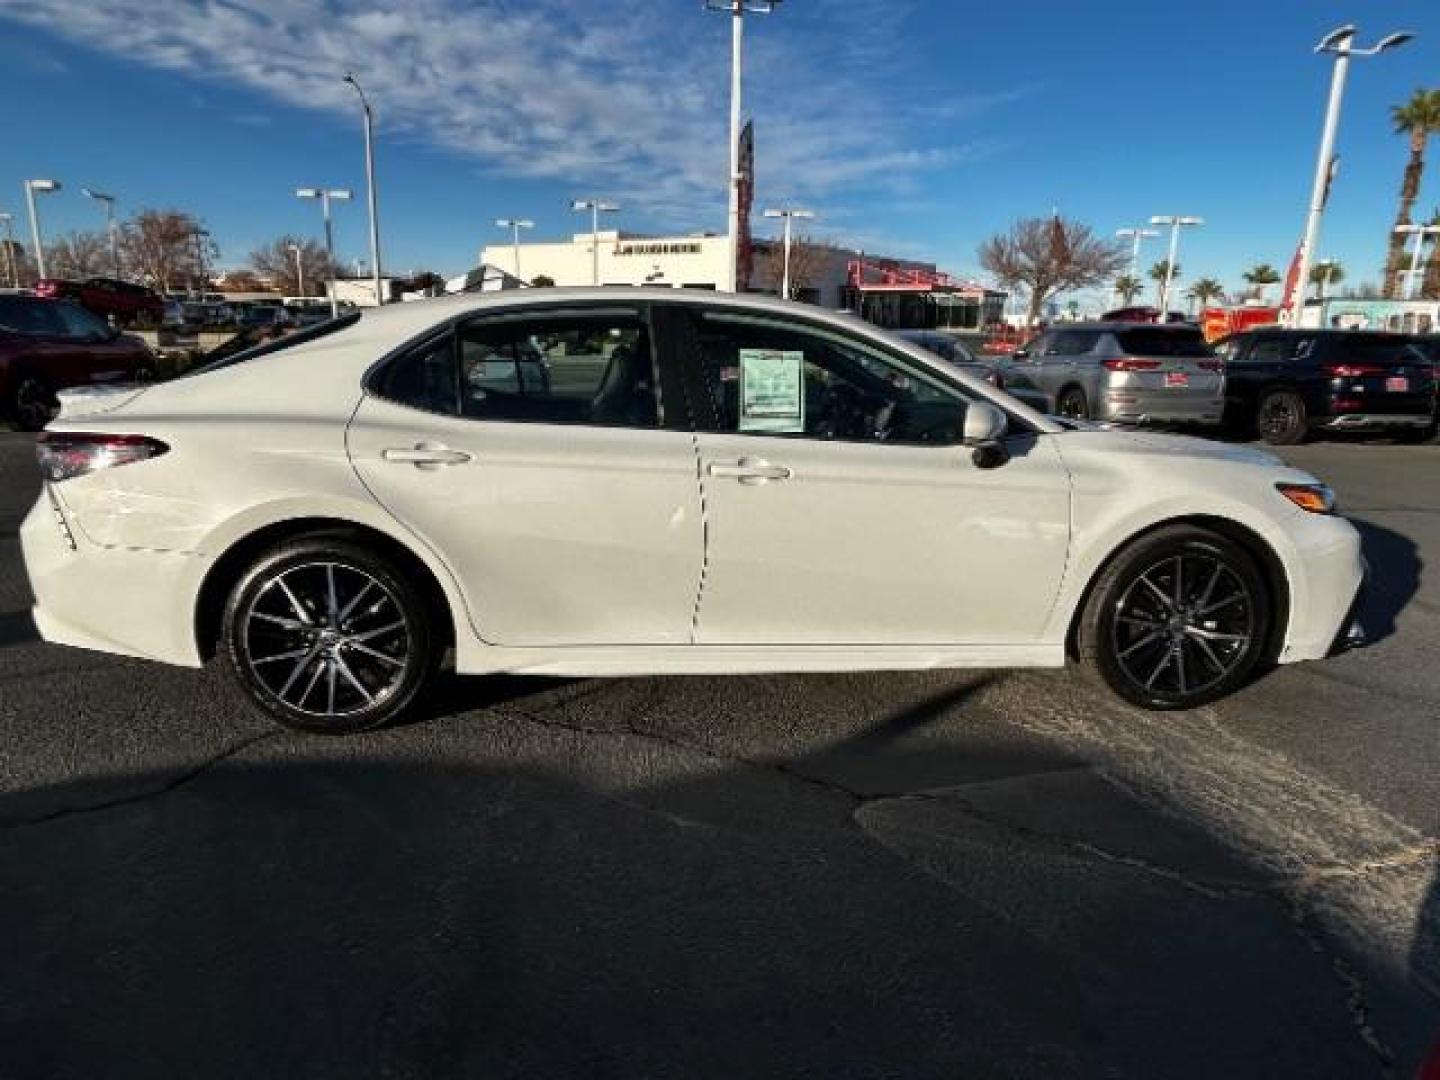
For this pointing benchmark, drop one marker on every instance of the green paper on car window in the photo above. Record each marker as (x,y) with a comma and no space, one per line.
(772,390)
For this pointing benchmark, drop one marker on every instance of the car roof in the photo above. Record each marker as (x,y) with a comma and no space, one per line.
(1118,324)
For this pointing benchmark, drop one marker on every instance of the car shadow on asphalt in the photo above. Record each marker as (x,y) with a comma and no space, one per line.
(17,628)
(1394,578)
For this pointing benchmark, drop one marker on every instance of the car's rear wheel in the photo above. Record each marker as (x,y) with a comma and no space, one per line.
(1072,404)
(32,402)
(1419,434)
(1178,619)
(326,636)
(1282,419)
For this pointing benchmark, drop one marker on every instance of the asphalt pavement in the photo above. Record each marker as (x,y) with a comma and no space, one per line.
(930,874)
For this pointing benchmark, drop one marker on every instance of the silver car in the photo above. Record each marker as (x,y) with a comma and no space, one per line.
(948,349)
(1128,373)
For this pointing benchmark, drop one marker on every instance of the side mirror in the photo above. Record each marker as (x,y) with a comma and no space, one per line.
(984,431)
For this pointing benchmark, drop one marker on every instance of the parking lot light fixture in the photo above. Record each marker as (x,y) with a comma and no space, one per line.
(737,10)
(788,215)
(373,198)
(1138,233)
(1176,222)
(1340,43)
(325,195)
(43,187)
(109,203)
(514,225)
(596,208)
(1420,232)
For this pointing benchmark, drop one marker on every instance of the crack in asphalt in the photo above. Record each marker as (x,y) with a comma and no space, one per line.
(173,784)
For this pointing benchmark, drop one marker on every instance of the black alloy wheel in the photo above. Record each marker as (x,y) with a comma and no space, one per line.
(1281,419)
(1072,404)
(327,637)
(1177,620)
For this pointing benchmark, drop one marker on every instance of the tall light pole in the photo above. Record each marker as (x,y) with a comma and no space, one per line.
(370,187)
(325,195)
(45,187)
(299,270)
(12,271)
(788,215)
(1175,221)
(109,203)
(1420,232)
(737,10)
(1139,234)
(514,225)
(1339,43)
(596,208)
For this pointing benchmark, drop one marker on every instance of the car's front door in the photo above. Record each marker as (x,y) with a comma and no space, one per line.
(840,506)
(531,453)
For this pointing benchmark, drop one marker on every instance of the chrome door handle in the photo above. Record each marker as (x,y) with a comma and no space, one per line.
(425,455)
(749,471)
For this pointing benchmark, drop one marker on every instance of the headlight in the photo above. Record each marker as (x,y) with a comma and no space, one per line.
(1312,498)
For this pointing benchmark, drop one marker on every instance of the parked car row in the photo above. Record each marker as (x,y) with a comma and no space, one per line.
(1282,385)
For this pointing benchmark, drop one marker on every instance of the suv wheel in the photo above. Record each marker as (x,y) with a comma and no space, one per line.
(1178,619)
(1072,404)
(32,402)
(327,637)
(1282,419)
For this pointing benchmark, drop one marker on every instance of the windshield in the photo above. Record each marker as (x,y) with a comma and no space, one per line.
(1157,342)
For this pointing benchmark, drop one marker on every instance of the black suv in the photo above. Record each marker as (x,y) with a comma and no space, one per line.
(1287,383)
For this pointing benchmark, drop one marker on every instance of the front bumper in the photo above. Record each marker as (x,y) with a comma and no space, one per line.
(1351,634)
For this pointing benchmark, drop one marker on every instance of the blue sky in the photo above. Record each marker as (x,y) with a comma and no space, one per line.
(912,127)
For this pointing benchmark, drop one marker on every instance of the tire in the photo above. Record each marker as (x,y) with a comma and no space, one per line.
(1414,436)
(32,403)
(1281,418)
(359,661)
(1072,404)
(1160,654)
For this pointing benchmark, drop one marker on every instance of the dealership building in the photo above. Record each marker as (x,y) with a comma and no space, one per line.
(887,291)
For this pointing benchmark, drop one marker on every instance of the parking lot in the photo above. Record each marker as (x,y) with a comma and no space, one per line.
(930,874)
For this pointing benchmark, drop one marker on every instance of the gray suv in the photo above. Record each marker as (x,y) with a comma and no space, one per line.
(1129,373)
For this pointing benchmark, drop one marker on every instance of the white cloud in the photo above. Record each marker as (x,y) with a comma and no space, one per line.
(625,98)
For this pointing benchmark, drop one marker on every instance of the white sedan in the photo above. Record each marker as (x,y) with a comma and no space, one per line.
(622,482)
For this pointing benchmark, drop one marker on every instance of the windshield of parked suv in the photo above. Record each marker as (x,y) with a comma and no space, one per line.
(1148,341)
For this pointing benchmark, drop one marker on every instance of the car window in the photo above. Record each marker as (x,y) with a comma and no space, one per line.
(424,378)
(766,376)
(1268,350)
(1145,341)
(25,316)
(79,324)
(1070,343)
(560,368)
(1374,349)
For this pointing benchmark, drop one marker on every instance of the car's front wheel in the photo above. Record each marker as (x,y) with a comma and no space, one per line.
(1178,619)
(326,636)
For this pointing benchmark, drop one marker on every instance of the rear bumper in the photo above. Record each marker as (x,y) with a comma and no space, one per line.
(1363,421)
(1126,406)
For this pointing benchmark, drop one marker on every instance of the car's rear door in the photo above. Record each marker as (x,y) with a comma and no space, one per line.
(564,498)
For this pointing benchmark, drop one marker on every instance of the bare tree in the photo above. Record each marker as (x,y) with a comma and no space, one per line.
(78,255)
(275,262)
(1048,256)
(807,265)
(15,263)
(167,247)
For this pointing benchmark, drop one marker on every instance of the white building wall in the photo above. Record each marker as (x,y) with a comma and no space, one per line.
(672,261)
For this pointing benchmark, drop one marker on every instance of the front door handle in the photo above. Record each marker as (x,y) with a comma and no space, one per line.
(749,470)
(425,455)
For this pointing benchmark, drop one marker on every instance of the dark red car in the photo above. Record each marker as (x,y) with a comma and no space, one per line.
(107,297)
(50,345)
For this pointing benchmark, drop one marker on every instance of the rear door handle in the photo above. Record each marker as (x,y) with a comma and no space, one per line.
(749,470)
(425,455)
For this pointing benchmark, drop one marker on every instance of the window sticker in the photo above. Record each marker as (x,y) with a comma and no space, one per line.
(772,390)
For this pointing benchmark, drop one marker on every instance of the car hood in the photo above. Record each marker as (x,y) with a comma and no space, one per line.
(1115,441)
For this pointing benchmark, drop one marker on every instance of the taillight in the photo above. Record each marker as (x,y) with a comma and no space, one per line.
(1351,371)
(65,455)
(1130,364)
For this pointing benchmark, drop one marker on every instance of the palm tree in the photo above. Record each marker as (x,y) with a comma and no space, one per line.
(1324,273)
(1259,277)
(1127,288)
(1430,283)
(1157,275)
(1206,289)
(1418,118)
